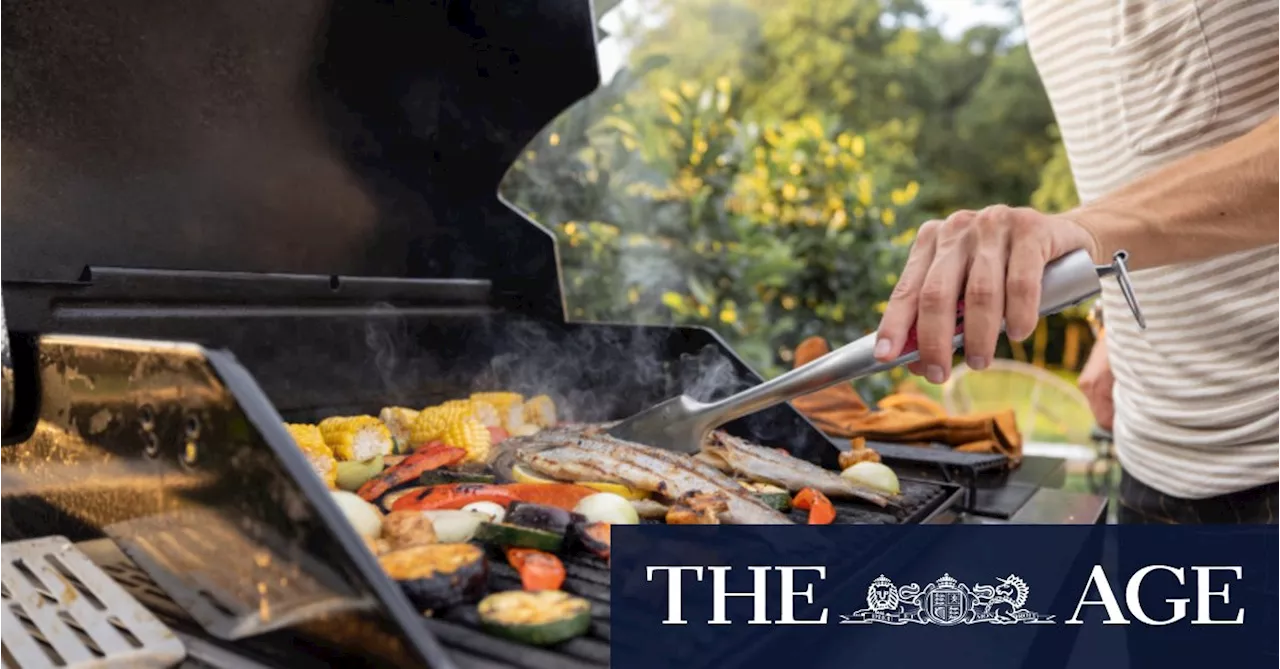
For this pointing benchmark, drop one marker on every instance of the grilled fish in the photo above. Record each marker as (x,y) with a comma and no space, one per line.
(573,453)
(738,456)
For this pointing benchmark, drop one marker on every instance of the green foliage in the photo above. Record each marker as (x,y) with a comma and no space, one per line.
(760,165)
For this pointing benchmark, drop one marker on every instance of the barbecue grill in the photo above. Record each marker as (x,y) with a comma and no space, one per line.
(221,217)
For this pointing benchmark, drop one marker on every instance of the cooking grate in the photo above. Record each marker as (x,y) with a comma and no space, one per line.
(588,577)
(61,610)
(458,628)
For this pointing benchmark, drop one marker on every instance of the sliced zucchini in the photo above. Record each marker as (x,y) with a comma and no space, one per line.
(437,576)
(442,476)
(352,473)
(541,618)
(502,534)
(772,495)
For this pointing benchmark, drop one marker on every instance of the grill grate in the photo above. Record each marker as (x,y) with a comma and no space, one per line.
(588,577)
(60,610)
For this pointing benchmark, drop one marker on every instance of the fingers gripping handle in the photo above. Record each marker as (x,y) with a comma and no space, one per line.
(1067,281)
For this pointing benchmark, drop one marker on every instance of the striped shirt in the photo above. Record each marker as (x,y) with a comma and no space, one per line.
(1136,84)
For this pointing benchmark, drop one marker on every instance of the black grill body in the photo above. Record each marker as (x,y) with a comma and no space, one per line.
(303,196)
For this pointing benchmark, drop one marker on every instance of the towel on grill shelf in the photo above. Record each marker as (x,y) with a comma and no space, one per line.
(902,418)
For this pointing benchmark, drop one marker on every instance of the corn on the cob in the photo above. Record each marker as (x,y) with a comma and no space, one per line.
(356,437)
(471,436)
(510,407)
(399,421)
(432,422)
(318,454)
(540,411)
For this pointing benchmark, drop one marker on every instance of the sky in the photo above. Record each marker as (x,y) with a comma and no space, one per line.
(955,16)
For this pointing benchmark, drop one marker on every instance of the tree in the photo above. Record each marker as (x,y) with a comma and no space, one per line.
(760,165)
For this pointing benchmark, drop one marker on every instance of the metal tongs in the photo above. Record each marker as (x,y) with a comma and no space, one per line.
(681,423)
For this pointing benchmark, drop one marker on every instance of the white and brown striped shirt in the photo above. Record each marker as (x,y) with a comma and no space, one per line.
(1136,84)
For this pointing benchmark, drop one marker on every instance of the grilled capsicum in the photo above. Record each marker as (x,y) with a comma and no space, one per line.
(821,510)
(409,469)
(538,570)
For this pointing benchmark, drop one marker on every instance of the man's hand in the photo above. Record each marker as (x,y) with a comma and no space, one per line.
(1096,382)
(994,260)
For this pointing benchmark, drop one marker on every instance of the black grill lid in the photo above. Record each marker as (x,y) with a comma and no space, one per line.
(310,137)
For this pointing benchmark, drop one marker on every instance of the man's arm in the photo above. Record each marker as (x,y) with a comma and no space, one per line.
(1209,204)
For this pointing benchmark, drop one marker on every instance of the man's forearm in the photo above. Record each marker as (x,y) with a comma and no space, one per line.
(1209,204)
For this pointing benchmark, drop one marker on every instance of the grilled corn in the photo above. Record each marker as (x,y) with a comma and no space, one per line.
(432,422)
(540,411)
(399,421)
(318,454)
(356,437)
(510,408)
(470,435)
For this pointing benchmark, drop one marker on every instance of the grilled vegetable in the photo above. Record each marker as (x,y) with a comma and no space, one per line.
(538,570)
(356,437)
(873,475)
(540,411)
(311,442)
(412,467)
(507,536)
(525,475)
(459,423)
(606,507)
(458,495)
(470,435)
(821,510)
(363,516)
(399,422)
(539,618)
(494,512)
(388,500)
(351,474)
(540,517)
(593,537)
(436,576)
(510,408)
(770,494)
(439,476)
(454,526)
(405,529)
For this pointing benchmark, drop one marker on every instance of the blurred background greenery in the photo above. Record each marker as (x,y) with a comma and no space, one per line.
(759,166)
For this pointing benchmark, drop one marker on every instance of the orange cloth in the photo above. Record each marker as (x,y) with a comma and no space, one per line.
(840,412)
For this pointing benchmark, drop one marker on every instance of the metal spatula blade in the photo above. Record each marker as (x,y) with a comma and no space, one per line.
(681,423)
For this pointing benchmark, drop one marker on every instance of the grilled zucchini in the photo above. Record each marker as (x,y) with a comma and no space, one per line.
(541,618)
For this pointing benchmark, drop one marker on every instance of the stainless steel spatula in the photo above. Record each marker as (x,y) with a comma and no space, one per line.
(681,423)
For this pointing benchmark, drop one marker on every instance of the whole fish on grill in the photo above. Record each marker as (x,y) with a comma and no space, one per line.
(584,453)
(739,456)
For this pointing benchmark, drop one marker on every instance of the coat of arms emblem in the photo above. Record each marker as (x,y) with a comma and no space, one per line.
(946,601)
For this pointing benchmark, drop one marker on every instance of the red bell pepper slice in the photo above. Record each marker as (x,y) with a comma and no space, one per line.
(427,458)
(821,510)
(539,570)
